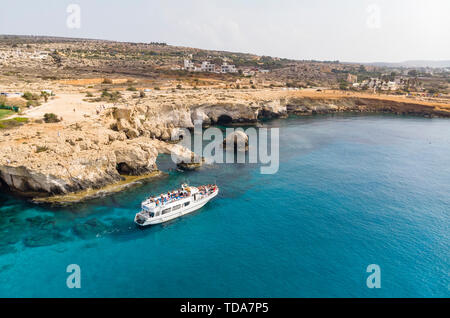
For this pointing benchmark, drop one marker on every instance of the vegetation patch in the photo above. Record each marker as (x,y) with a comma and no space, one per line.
(51,118)
(5,113)
(110,96)
(32,99)
(13,122)
(41,149)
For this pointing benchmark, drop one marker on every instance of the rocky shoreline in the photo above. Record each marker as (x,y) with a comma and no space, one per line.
(57,160)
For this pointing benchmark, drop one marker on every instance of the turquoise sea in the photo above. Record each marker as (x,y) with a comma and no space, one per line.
(351,191)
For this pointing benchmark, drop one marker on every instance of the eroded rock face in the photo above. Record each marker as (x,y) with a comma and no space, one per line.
(159,121)
(135,157)
(224,113)
(312,106)
(56,159)
(237,140)
(74,158)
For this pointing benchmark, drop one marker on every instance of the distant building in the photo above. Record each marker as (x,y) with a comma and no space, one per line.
(248,72)
(205,67)
(208,67)
(389,86)
(188,65)
(228,68)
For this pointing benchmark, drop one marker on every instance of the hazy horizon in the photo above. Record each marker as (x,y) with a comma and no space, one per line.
(348,31)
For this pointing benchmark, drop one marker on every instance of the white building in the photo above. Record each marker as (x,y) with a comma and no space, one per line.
(389,86)
(228,68)
(208,67)
(188,65)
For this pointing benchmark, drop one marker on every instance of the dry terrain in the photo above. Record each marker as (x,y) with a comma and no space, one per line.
(92,114)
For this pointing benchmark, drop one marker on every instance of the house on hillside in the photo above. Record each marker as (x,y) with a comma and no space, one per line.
(228,68)
(208,67)
(188,65)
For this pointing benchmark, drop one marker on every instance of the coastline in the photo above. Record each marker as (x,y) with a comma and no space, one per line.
(88,194)
(94,155)
(376,178)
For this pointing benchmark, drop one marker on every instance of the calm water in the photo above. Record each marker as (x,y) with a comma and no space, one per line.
(351,191)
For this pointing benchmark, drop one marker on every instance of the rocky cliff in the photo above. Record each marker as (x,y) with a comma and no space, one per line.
(59,160)
(50,159)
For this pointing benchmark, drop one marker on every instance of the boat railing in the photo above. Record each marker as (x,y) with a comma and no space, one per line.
(203,192)
(162,202)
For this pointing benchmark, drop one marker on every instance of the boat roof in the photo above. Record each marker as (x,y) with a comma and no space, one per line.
(170,201)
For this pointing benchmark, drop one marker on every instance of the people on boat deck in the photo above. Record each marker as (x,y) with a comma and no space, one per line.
(180,194)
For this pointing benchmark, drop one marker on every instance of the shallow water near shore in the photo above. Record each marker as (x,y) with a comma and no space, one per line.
(351,191)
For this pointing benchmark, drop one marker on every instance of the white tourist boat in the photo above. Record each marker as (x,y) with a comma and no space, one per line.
(174,204)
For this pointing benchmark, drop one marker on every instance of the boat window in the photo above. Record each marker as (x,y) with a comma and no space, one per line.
(176,207)
(166,211)
(187,203)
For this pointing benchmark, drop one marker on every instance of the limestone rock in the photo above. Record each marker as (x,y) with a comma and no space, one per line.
(238,139)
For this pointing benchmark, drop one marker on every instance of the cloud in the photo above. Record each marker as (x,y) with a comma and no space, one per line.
(322,29)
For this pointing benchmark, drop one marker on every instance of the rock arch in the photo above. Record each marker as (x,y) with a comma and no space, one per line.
(224,119)
(124,169)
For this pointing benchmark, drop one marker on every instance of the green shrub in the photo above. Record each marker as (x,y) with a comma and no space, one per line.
(51,118)
(131,89)
(28,96)
(110,96)
(41,149)
(20,119)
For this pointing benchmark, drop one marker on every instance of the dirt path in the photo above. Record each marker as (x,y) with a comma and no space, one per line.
(70,107)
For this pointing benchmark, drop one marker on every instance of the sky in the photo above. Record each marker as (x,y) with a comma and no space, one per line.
(344,30)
